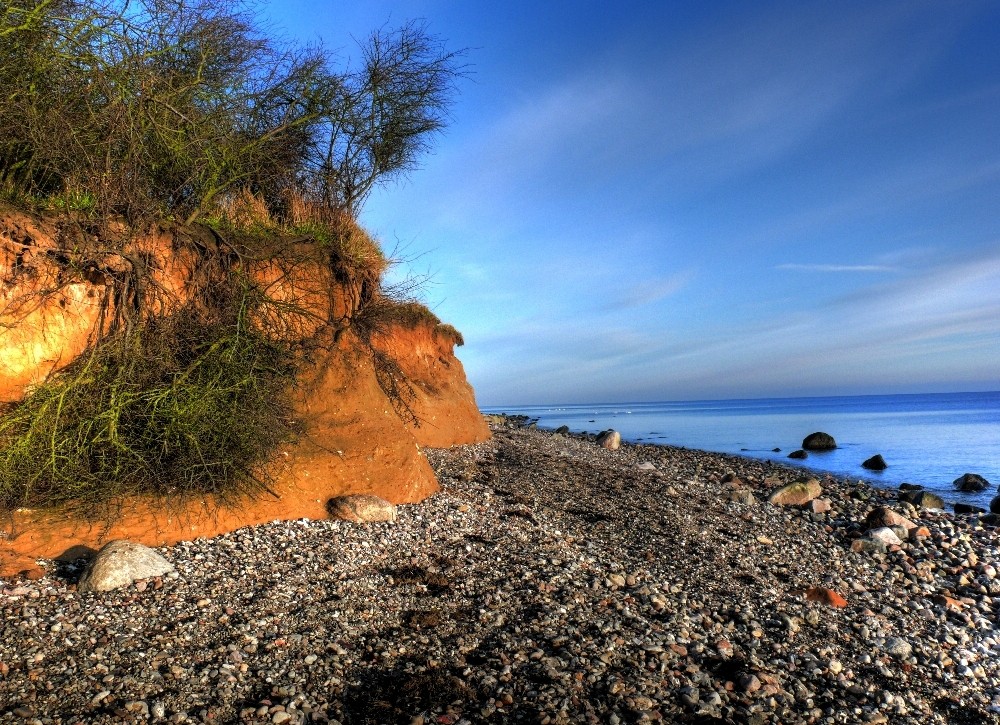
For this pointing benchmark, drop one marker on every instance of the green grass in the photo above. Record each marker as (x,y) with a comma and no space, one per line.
(182,407)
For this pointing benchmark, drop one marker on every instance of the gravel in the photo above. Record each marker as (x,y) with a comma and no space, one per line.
(550,581)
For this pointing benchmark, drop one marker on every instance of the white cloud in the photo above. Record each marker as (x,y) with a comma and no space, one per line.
(835,267)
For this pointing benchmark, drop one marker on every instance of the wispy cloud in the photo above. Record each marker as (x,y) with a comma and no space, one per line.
(835,267)
(652,291)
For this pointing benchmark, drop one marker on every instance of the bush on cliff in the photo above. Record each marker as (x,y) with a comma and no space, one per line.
(164,107)
(186,405)
(118,115)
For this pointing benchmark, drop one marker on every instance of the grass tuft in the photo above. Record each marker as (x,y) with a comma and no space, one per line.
(183,406)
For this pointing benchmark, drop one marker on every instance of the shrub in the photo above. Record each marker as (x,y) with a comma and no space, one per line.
(188,405)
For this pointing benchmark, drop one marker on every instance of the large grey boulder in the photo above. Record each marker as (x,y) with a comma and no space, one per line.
(120,563)
(361,508)
(819,442)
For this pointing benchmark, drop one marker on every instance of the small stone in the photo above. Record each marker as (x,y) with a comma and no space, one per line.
(610,439)
(819,505)
(689,695)
(825,596)
(898,647)
(361,508)
(280,717)
(868,545)
(748,683)
(886,535)
(120,563)
(741,495)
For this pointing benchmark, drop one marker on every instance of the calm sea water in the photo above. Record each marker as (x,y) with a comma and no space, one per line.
(925,439)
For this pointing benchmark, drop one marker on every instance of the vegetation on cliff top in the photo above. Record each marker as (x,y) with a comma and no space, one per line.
(118,114)
(160,108)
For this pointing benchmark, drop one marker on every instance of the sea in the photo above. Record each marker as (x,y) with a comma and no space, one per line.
(927,439)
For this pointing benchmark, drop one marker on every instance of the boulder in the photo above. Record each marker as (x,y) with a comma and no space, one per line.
(881,517)
(360,508)
(120,563)
(796,494)
(818,505)
(910,487)
(886,535)
(922,499)
(868,545)
(819,442)
(968,508)
(610,439)
(798,455)
(971,482)
(990,519)
(995,505)
(875,463)
(562,430)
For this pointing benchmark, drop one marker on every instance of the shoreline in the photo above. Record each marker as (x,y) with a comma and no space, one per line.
(550,581)
(885,480)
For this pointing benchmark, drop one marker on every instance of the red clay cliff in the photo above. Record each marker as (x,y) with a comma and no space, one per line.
(353,441)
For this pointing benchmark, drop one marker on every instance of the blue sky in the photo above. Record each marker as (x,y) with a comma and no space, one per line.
(645,201)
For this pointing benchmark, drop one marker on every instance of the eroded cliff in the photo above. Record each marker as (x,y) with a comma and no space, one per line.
(352,437)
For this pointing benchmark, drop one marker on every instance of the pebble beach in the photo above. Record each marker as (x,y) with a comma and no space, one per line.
(549,581)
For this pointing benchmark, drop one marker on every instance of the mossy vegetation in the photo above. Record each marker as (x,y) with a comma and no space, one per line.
(119,116)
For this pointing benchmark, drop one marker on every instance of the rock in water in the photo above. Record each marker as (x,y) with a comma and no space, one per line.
(875,463)
(120,563)
(799,454)
(971,482)
(610,439)
(994,505)
(796,494)
(968,508)
(922,499)
(562,430)
(819,442)
(361,508)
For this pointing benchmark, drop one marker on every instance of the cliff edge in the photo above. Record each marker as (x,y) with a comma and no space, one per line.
(353,435)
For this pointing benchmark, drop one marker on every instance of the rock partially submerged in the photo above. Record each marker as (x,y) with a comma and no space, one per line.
(875,463)
(120,563)
(798,455)
(922,499)
(361,509)
(819,441)
(971,483)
